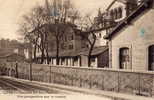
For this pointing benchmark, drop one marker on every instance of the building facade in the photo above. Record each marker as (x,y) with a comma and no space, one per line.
(131,43)
(99,58)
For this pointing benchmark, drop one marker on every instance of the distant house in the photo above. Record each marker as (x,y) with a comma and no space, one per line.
(8,47)
(131,42)
(12,57)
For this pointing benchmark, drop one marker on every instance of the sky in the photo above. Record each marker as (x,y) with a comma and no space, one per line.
(11,12)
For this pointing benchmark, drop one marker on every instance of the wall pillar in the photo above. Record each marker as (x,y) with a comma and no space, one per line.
(79,60)
(72,61)
(96,62)
(60,61)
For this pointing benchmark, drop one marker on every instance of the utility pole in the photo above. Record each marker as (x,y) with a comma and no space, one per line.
(50,75)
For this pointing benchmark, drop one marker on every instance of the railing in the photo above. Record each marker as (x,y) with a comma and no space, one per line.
(131,82)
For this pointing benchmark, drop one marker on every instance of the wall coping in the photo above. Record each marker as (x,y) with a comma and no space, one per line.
(105,69)
(98,69)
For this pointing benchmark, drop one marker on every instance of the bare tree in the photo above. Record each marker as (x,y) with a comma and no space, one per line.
(43,22)
(33,29)
(87,31)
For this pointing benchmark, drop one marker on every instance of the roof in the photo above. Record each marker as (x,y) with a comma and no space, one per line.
(122,1)
(96,51)
(64,54)
(4,52)
(139,11)
(10,54)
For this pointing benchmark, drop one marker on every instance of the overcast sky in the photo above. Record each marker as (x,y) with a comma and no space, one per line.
(12,10)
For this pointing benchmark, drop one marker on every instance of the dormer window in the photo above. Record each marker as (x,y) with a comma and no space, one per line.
(115,13)
(112,14)
(119,15)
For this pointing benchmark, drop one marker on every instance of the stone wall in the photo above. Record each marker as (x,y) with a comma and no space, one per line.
(139,83)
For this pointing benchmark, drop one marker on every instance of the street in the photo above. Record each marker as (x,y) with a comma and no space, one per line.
(11,86)
(24,87)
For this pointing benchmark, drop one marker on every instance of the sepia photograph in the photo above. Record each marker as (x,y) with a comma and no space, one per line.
(77,49)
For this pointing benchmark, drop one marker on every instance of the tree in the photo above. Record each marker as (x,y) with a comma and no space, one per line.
(44,22)
(61,16)
(33,29)
(88,32)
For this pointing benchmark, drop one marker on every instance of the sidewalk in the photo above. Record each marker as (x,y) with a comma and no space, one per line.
(80,91)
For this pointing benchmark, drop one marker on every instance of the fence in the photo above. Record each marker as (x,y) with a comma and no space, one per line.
(139,83)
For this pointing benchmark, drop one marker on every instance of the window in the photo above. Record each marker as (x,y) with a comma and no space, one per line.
(112,14)
(71,46)
(124,58)
(92,59)
(119,12)
(72,37)
(75,60)
(100,35)
(151,58)
(62,61)
(115,13)
(66,61)
(65,39)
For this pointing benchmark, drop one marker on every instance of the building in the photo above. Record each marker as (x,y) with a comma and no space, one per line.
(72,41)
(73,51)
(72,46)
(11,57)
(14,46)
(116,12)
(99,58)
(4,43)
(131,43)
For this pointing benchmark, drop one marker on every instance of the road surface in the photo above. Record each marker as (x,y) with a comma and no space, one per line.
(10,85)
(18,86)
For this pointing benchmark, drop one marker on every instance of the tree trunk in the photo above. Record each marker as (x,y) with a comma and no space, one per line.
(35,53)
(57,51)
(42,56)
(91,49)
(89,56)
(47,55)
(42,48)
(47,48)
